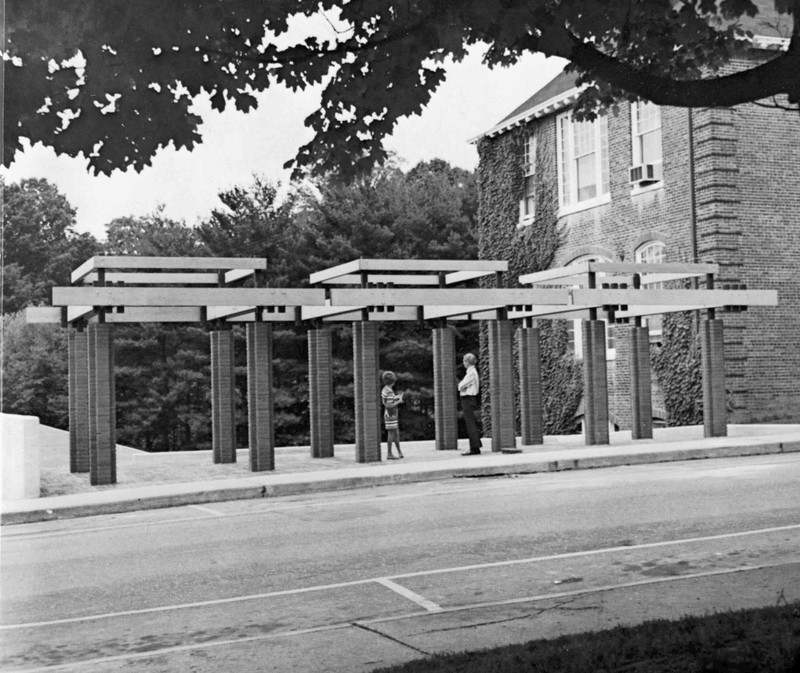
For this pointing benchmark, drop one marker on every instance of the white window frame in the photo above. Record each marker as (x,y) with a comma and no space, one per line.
(637,152)
(567,163)
(527,204)
(577,329)
(645,254)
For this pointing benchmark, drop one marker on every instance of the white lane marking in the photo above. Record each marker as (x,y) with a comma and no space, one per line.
(430,606)
(436,571)
(208,510)
(383,620)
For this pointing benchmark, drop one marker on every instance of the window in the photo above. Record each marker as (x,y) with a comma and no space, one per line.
(646,138)
(652,252)
(582,162)
(575,331)
(527,207)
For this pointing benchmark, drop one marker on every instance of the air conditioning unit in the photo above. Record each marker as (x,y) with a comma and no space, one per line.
(645,174)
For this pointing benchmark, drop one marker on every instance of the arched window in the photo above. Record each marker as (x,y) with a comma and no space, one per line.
(652,252)
(575,331)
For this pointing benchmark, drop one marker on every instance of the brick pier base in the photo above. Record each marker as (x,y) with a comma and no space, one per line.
(501,384)
(595,382)
(715,418)
(641,394)
(260,412)
(223,420)
(530,386)
(367,392)
(445,387)
(320,392)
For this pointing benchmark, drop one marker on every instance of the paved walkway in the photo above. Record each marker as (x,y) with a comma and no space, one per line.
(148,481)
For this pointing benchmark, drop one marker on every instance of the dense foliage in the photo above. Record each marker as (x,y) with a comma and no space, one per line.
(677,368)
(530,249)
(40,245)
(114,80)
(163,379)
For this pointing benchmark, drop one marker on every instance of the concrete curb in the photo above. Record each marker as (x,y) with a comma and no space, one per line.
(269,486)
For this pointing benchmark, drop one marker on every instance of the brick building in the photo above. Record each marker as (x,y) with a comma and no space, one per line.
(657,184)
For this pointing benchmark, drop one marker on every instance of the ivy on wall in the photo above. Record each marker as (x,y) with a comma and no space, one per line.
(676,365)
(533,248)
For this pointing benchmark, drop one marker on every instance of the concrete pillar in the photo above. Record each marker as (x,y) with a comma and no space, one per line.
(501,385)
(595,382)
(715,419)
(530,386)
(223,412)
(260,413)
(320,392)
(641,393)
(367,392)
(102,406)
(78,401)
(445,388)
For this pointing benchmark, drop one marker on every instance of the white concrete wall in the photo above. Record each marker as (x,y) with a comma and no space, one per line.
(20,466)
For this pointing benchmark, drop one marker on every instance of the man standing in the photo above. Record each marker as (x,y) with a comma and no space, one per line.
(468,389)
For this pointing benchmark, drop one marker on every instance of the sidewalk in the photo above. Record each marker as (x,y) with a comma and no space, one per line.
(149,481)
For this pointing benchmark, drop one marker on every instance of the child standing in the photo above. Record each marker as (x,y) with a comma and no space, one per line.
(390,414)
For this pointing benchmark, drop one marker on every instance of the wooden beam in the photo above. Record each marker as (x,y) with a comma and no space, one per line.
(155,278)
(678,299)
(42,314)
(434,312)
(433,266)
(162,314)
(78,312)
(177,263)
(386,278)
(165,296)
(219,312)
(446,296)
(575,274)
(238,274)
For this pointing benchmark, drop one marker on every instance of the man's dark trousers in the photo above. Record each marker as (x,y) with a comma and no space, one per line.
(469,403)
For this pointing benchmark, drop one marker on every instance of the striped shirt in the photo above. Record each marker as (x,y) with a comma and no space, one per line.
(390,415)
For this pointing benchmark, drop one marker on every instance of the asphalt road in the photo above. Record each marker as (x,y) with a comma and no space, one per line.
(350,581)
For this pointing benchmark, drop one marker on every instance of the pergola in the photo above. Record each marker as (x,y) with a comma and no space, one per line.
(111,289)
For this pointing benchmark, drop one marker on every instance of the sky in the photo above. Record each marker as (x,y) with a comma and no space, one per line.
(237,146)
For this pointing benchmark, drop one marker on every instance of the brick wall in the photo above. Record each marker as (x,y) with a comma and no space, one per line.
(747,187)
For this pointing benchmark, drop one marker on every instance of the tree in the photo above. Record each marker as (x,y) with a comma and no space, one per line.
(113,80)
(34,371)
(40,244)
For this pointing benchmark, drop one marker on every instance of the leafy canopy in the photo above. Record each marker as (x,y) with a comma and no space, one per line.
(114,80)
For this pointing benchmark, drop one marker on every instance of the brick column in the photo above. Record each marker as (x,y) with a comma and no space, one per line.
(501,385)
(223,420)
(641,394)
(102,406)
(595,382)
(715,420)
(78,401)
(445,387)
(367,392)
(530,386)
(260,416)
(320,392)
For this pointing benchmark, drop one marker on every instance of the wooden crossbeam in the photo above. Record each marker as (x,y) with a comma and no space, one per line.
(578,273)
(432,266)
(446,296)
(118,262)
(165,296)
(678,299)
(42,314)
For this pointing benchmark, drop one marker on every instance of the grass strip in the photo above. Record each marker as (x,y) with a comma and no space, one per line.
(764,640)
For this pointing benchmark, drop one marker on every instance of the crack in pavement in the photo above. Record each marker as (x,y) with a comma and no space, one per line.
(388,637)
(563,605)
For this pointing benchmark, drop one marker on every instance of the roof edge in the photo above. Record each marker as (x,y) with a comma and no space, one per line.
(553,104)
